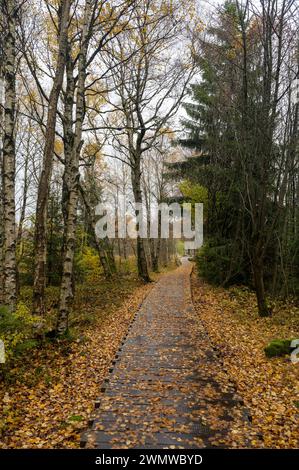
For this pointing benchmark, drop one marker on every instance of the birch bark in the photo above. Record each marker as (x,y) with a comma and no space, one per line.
(8,164)
(71,182)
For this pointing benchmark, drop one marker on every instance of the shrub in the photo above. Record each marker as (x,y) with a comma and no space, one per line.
(218,263)
(278,348)
(17,329)
(128,265)
(87,265)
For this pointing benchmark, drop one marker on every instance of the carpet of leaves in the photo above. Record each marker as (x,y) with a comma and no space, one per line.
(168,389)
(48,395)
(269,387)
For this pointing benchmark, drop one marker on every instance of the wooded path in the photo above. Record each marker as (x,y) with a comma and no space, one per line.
(167,388)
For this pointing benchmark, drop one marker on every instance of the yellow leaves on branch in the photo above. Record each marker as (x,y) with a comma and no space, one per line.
(169,133)
(58,147)
(95,96)
(109,20)
(30,97)
(93,149)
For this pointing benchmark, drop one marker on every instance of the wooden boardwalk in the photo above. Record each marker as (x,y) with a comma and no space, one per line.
(167,388)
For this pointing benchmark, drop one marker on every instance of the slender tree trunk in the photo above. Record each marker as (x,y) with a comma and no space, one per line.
(1,166)
(98,243)
(158,246)
(150,241)
(157,256)
(141,261)
(40,239)
(19,246)
(258,274)
(8,175)
(108,247)
(141,256)
(66,289)
(125,248)
(152,252)
(71,181)
(166,253)
(69,200)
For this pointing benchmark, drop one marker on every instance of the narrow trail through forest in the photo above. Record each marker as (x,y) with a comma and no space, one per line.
(167,388)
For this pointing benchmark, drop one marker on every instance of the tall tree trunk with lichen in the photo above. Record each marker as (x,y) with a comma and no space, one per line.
(1,161)
(8,159)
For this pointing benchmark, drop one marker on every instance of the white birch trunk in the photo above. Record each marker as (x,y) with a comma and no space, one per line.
(71,181)
(8,167)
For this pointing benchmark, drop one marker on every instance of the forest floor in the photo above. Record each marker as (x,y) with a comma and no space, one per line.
(269,387)
(48,394)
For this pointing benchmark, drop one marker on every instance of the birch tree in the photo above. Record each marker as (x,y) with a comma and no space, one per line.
(9,12)
(103,22)
(1,148)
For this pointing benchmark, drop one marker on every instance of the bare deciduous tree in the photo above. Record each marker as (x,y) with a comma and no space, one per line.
(148,88)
